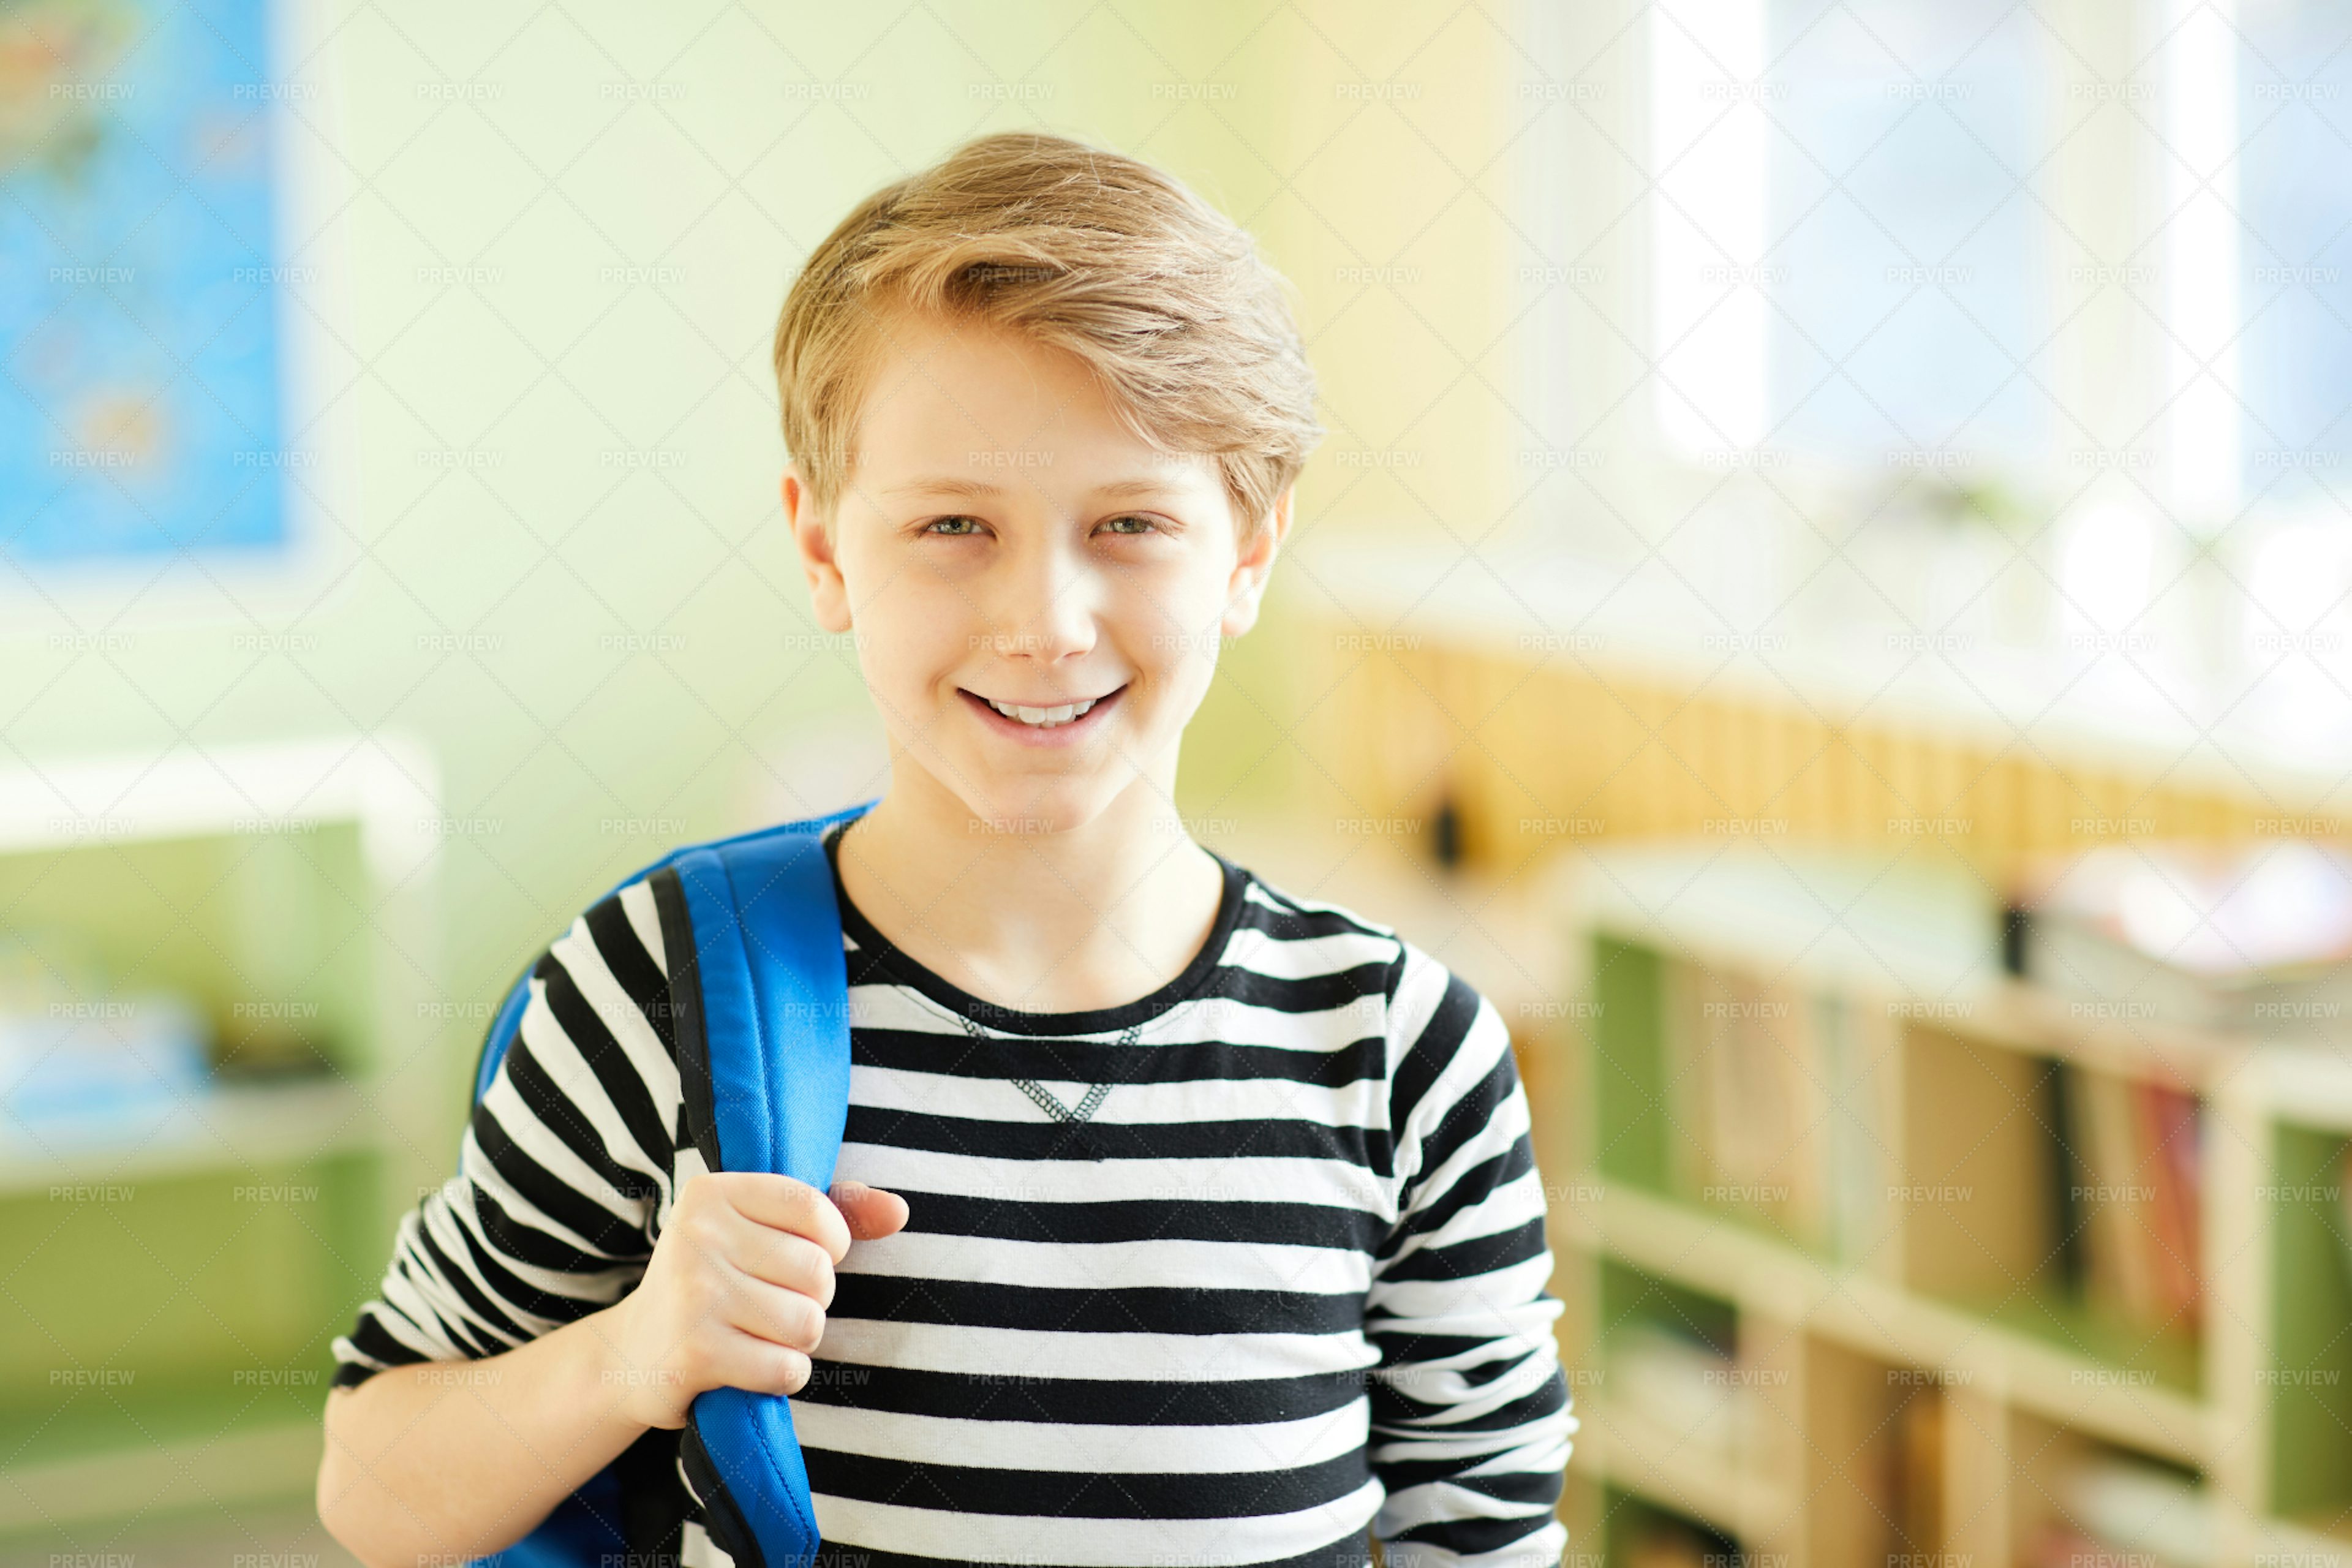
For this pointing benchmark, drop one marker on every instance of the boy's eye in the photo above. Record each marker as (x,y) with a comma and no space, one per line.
(946,523)
(1142,524)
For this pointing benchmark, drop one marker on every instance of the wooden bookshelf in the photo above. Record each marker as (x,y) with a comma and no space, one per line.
(178,1281)
(1951,1388)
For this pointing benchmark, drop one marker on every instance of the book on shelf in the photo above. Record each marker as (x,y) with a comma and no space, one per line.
(1668,1543)
(1915,1511)
(1772,1100)
(2126,1199)
(103,1071)
(1645,1531)
(2121,1275)
(2112,1508)
(1767,1102)
(1747,1099)
(1677,1385)
(2252,941)
(2068,1213)
(84,1060)
(2172,1132)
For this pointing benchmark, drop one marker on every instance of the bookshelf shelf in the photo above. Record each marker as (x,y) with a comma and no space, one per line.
(1797,918)
(243,1126)
(2308,1086)
(1670,1239)
(210,1472)
(2322,1538)
(281,891)
(2025,1017)
(1623,1448)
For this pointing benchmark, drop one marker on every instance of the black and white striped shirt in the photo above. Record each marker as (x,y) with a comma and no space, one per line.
(1287,1280)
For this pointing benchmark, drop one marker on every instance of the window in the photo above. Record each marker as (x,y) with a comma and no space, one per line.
(2295,175)
(1906,239)
(1848,259)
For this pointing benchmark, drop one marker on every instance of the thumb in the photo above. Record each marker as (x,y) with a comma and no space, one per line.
(872,1213)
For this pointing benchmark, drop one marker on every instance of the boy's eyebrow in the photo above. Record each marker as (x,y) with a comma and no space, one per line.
(945,485)
(964,485)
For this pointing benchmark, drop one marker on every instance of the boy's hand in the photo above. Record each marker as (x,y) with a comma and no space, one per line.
(735,1293)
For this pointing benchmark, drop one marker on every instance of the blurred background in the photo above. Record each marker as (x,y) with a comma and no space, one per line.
(1825,598)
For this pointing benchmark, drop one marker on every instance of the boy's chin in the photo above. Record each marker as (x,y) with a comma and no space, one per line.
(1013,804)
(1027,811)
(1029,818)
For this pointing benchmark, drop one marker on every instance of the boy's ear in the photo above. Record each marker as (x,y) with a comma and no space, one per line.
(1253,565)
(827,592)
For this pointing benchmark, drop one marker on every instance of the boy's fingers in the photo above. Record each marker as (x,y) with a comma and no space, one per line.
(872,1213)
(789,1204)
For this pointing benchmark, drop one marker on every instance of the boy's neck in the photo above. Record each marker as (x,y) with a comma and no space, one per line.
(1092,917)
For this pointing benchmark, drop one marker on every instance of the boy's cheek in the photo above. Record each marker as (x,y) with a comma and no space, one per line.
(908,634)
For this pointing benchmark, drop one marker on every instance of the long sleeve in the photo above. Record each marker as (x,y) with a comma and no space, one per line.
(564,1163)
(1471,1415)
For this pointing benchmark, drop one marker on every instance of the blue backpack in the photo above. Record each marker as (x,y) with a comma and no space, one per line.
(759,998)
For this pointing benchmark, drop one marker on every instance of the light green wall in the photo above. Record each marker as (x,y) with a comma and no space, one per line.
(546,728)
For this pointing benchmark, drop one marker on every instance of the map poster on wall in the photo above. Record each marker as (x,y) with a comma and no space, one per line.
(139,397)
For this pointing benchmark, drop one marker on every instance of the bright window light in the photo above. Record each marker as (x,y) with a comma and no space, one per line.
(2200,244)
(2105,568)
(1710,135)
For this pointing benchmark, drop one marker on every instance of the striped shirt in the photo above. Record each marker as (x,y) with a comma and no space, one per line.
(1222,1275)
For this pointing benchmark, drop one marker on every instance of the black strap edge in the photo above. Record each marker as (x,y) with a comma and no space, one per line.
(685,1013)
(729,1530)
(652,1509)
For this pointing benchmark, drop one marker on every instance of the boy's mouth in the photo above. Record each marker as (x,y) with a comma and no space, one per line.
(1061,722)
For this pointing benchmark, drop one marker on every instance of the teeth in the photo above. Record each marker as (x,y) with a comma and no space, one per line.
(1043,718)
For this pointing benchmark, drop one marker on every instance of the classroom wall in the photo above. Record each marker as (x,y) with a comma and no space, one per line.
(544,251)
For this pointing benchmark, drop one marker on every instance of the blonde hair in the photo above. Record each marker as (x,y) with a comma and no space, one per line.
(1186,328)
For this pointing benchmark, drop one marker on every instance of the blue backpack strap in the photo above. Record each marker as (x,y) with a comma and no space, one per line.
(760,999)
(769,1020)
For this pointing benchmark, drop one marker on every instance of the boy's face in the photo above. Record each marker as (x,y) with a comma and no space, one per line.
(1003,537)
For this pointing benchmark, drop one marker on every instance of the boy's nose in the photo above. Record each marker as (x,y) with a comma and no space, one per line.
(1049,611)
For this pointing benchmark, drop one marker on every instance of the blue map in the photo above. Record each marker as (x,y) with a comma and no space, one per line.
(139,291)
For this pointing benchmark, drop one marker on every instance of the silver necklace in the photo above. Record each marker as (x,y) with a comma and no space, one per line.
(1037,1091)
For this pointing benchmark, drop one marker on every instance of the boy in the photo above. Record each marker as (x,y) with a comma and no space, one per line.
(1179,1221)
